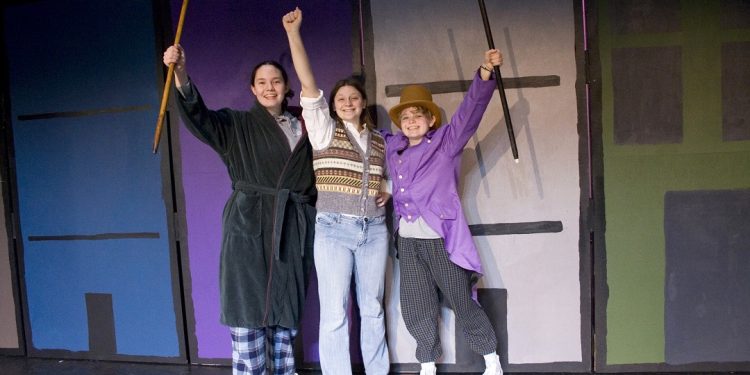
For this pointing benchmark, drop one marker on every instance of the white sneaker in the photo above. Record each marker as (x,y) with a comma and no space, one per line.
(428,368)
(493,366)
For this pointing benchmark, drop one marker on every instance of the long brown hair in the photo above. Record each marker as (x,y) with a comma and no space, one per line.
(364,118)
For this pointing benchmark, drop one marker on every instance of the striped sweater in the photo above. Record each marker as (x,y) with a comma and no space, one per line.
(348,178)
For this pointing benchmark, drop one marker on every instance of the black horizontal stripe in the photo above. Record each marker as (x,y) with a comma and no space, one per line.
(499,229)
(443,87)
(95,237)
(45,116)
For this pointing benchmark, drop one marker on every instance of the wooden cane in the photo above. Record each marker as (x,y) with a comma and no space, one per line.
(499,80)
(168,83)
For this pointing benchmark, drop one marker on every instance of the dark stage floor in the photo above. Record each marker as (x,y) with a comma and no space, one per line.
(10,365)
(36,366)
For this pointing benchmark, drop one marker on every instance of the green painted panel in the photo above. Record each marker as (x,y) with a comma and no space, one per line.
(636,177)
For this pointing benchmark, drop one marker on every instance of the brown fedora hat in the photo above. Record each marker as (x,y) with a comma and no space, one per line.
(415,96)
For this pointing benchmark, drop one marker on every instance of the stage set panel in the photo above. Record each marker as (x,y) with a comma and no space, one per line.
(98,261)
(524,216)
(676,172)
(11,341)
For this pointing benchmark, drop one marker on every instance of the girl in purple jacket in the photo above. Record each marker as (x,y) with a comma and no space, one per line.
(436,251)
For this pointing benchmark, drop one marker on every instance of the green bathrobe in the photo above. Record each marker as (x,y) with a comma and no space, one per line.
(269,219)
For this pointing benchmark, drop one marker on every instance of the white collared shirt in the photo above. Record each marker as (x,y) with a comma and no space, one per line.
(321,126)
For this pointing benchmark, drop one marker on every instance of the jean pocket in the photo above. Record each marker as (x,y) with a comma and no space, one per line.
(326,219)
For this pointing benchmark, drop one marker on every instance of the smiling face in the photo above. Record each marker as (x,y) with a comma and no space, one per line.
(270,88)
(349,104)
(415,123)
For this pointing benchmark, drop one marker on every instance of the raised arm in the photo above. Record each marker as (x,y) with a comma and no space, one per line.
(467,117)
(211,127)
(292,22)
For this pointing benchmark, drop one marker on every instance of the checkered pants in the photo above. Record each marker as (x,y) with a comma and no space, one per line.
(249,350)
(426,272)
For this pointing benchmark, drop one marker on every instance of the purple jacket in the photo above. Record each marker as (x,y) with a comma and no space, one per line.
(425,176)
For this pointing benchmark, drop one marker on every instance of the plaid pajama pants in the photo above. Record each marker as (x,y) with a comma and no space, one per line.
(249,350)
(426,271)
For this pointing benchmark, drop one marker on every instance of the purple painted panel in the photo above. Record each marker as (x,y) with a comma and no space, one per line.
(223,41)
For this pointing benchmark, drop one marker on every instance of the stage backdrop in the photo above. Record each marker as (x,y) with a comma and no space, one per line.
(98,264)
(675,134)
(532,287)
(105,246)
(525,215)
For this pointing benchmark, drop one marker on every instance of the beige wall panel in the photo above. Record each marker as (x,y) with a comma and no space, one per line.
(443,40)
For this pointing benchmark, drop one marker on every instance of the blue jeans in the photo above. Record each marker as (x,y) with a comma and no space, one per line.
(346,245)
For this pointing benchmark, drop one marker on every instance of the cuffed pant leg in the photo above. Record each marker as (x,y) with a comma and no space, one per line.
(455,285)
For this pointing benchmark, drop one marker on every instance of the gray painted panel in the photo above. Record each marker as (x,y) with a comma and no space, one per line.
(101,321)
(707,291)
(735,91)
(647,85)
(646,16)
(8,325)
(735,14)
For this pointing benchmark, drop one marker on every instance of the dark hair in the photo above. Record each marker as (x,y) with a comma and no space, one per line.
(275,64)
(364,118)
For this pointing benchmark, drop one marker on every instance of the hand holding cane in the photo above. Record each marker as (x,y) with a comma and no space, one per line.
(499,80)
(168,83)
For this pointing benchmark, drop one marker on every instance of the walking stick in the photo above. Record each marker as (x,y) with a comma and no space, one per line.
(168,83)
(499,80)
